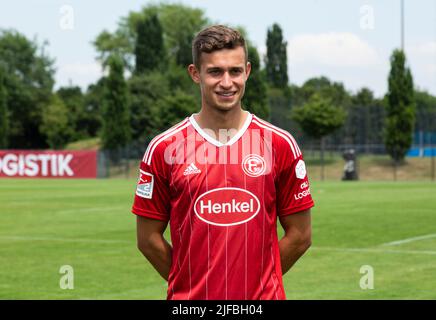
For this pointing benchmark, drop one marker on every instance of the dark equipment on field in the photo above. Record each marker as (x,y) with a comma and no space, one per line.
(350,167)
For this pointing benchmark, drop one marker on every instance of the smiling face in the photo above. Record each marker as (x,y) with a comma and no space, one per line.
(222,78)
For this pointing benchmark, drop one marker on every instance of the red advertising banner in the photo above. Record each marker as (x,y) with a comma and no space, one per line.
(48,164)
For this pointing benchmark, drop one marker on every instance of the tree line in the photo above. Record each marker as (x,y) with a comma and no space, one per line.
(146,89)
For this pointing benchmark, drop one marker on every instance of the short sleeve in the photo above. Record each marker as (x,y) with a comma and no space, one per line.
(293,189)
(152,195)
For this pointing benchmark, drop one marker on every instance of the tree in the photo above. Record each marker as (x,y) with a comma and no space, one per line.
(318,118)
(364,124)
(255,98)
(328,90)
(357,127)
(175,107)
(179,24)
(55,125)
(116,126)
(276,58)
(178,79)
(425,112)
(280,108)
(149,49)
(145,116)
(400,108)
(73,99)
(29,83)
(93,102)
(108,44)
(334,91)
(4,121)
(83,109)
(362,102)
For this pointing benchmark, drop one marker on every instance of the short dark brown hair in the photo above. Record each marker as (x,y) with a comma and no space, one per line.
(216,37)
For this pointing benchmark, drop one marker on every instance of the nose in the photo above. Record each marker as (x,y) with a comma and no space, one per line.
(226,80)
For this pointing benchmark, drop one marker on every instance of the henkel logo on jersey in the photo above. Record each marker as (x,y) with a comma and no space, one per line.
(227,206)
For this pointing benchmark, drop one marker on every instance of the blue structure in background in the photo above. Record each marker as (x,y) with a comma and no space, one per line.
(421,152)
(424,145)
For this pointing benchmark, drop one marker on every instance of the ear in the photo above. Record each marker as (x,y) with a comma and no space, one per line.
(248,69)
(194,73)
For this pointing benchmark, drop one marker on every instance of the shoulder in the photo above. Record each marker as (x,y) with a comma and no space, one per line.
(282,140)
(159,142)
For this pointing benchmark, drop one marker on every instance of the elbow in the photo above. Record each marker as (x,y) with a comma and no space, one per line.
(141,247)
(299,244)
(144,247)
(305,243)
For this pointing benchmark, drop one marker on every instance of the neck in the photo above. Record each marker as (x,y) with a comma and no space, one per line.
(217,120)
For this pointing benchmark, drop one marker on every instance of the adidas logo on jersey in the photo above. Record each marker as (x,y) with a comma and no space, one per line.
(191,169)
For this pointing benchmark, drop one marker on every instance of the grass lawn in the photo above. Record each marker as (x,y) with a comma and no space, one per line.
(45,224)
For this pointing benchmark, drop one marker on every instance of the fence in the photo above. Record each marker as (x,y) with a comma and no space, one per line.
(372,162)
(121,163)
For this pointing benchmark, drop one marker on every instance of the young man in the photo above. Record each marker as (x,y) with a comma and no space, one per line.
(221,178)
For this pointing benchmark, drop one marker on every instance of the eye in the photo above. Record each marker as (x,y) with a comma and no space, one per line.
(236,71)
(214,72)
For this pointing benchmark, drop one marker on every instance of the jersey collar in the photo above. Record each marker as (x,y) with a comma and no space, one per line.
(216,142)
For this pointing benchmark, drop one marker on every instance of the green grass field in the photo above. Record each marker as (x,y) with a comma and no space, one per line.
(45,224)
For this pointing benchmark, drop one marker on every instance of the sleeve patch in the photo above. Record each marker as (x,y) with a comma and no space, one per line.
(300,169)
(144,189)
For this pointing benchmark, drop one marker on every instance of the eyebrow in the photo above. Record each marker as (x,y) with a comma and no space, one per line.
(210,69)
(213,69)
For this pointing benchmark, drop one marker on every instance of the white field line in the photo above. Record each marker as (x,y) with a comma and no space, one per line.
(337,249)
(408,240)
(92,209)
(84,240)
(374,250)
(89,209)
(28,198)
(122,294)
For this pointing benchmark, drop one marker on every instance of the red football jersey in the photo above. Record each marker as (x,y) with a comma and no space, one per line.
(222,202)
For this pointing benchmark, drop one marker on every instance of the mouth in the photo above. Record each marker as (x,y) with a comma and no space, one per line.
(226,94)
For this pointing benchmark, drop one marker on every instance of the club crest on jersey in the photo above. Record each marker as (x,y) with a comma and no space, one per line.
(227,206)
(300,169)
(144,189)
(253,165)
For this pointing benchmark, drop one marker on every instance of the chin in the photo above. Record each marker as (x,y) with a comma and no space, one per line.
(225,108)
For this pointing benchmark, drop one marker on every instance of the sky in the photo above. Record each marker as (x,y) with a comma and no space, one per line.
(350,41)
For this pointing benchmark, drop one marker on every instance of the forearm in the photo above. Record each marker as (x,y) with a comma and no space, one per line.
(159,253)
(291,250)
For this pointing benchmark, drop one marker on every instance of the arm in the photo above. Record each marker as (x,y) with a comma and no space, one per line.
(153,245)
(297,238)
